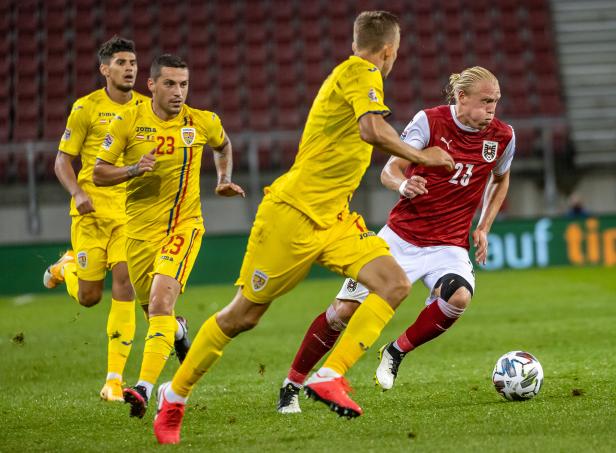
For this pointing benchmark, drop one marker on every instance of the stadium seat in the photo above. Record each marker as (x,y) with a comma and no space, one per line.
(227,57)
(258,99)
(309,11)
(290,118)
(285,53)
(287,97)
(256,55)
(286,75)
(233,121)
(283,10)
(26,121)
(256,34)
(311,31)
(56,114)
(313,53)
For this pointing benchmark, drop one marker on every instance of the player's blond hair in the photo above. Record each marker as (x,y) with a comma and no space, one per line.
(465,80)
(373,29)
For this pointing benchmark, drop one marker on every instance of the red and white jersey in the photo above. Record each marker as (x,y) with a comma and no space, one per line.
(444,215)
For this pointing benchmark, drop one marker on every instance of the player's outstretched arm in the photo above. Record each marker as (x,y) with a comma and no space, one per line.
(375,130)
(493,198)
(65,172)
(223,159)
(393,177)
(106,174)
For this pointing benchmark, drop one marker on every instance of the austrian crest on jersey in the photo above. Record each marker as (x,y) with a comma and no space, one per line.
(489,150)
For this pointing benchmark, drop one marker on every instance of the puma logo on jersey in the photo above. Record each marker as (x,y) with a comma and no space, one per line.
(446,142)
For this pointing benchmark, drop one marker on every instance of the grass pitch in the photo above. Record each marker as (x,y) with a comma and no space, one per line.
(53,355)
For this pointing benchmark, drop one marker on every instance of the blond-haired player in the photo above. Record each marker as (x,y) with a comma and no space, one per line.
(161,144)
(305,218)
(428,228)
(97,229)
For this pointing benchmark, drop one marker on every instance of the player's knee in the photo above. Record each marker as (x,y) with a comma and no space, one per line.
(455,290)
(123,289)
(234,325)
(248,323)
(89,297)
(461,298)
(397,288)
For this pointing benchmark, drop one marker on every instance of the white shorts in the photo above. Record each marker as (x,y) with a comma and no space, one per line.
(427,264)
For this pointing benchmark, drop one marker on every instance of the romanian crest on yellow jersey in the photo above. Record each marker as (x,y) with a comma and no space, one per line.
(259,280)
(188,135)
(82,259)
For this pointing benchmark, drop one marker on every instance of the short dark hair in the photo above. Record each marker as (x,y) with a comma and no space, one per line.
(165,61)
(115,45)
(373,29)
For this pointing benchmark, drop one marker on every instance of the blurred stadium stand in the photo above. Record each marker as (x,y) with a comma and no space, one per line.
(260,63)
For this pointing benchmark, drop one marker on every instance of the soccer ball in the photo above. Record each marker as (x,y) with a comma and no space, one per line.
(517,376)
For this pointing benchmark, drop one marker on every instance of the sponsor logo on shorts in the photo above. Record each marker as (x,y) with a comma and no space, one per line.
(351,285)
(489,150)
(188,135)
(366,234)
(259,280)
(166,258)
(82,259)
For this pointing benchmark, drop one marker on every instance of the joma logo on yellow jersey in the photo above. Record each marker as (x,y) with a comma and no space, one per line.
(145,129)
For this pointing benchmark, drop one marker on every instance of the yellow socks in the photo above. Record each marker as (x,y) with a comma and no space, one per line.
(71,280)
(158,345)
(364,328)
(206,349)
(120,334)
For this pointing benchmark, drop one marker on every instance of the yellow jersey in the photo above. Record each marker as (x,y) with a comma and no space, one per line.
(332,157)
(85,130)
(165,200)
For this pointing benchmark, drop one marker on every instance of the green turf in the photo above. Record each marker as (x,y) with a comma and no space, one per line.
(443,399)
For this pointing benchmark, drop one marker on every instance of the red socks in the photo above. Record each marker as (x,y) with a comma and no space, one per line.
(319,339)
(435,319)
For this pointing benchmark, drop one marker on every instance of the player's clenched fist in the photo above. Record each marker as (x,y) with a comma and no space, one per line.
(435,156)
(146,163)
(415,185)
(83,203)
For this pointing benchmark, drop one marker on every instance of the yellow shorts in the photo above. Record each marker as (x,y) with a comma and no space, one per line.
(99,244)
(174,256)
(284,243)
